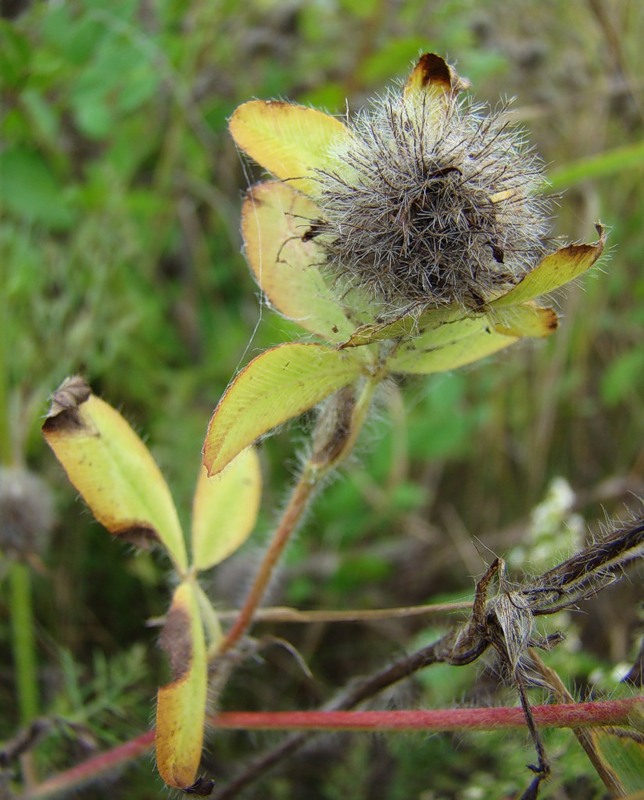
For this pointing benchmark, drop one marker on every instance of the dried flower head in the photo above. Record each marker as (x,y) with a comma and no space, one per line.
(432,205)
(26,512)
(411,240)
(422,201)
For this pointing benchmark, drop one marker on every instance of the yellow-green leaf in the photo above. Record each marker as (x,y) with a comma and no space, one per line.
(112,469)
(275,222)
(554,271)
(401,326)
(276,386)
(181,704)
(289,140)
(456,354)
(413,322)
(447,327)
(527,319)
(224,509)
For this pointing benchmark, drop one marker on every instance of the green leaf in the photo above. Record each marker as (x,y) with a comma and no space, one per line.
(276,386)
(112,469)
(31,190)
(554,271)
(43,117)
(15,55)
(619,159)
(274,220)
(457,354)
(225,509)
(451,328)
(181,704)
(411,322)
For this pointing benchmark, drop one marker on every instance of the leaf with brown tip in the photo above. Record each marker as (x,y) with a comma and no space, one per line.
(554,271)
(181,704)
(112,469)
(432,73)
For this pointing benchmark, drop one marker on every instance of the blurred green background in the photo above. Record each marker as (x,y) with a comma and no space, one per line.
(120,259)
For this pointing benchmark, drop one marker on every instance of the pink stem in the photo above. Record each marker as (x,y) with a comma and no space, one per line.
(573,715)
(570,715)
(93,768)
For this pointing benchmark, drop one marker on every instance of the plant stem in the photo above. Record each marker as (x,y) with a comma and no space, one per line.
(103,764)
(313,472)
(300,497)
(577,715)
(6,455)
(294,615)
(569,715)
(23,642)
(24,656)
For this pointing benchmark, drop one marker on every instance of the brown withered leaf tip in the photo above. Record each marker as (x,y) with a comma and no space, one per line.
(176,642)
(142,536)
(553,320)
(65,402)
(202,787)
(434,69)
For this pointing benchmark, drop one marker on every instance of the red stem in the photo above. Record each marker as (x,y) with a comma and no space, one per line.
(570,715)
(573,715)
(93,768)
(293,514)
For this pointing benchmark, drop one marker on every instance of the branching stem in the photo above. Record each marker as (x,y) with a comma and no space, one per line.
(313,473)
(297,505)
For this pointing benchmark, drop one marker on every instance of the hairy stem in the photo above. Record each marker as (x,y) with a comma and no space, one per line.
(586,715)
(297,505)
(576,715)
(339,441)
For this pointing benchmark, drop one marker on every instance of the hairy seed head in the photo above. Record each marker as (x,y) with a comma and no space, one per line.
(435,203)
(26,512)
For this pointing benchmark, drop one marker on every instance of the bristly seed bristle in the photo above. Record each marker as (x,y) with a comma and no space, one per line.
(433,205)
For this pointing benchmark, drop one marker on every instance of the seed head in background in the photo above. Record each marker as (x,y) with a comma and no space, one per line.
(410,239)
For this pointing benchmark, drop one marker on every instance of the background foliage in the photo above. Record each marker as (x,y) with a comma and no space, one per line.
(119,258)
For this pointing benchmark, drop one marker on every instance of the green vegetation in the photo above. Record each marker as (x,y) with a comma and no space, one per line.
(120,259)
